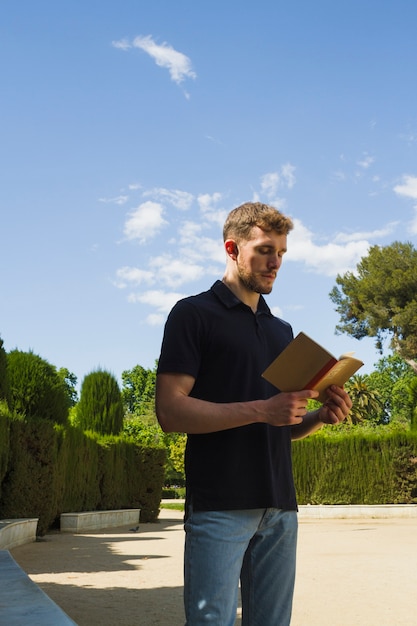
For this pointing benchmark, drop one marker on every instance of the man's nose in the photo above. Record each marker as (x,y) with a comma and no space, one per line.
(274,261)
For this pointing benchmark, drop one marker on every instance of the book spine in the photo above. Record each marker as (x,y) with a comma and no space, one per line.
(320,374)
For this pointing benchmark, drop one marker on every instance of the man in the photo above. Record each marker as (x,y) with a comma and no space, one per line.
(241,510)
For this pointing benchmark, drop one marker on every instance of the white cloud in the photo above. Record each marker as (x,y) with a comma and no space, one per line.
(164,55)
(162,301)
(174,272)
(287,173)
(197,247)
(361,236)
(123,44)
(179,199)
(116,200)
(408,187)
(277,311)
(155,319)
(144,222)
(210,211)
(271,182)
(366,161)
(329,259)
(128,275)
(208,201)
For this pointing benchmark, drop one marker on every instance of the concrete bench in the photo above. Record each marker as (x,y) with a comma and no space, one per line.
(22,602)
(96,520)
(15,532)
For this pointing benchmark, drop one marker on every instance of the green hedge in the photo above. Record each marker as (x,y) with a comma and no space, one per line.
(51,469)
(28,488)
(355,467)
(4,440)
(48,469)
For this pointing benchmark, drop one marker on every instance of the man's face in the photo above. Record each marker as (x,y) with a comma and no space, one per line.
(259,259)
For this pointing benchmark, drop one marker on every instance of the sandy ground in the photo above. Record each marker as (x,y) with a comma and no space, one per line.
(350,573)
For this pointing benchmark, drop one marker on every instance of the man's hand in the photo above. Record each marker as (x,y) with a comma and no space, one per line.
(288,408)
(337,406)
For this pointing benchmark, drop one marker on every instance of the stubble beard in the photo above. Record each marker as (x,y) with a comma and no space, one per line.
(251,283)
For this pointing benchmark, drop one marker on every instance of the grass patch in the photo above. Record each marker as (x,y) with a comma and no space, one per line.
(173,506)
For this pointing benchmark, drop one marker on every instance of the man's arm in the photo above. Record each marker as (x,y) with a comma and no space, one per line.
(334,411)
(177,411)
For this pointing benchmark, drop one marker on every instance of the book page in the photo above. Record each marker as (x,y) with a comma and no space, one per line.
(338,375)
(305,364)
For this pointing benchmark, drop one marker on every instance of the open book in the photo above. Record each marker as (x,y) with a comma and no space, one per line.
(305,364)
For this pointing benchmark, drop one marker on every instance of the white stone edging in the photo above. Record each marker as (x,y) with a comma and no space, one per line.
(355,511)
(96,520)
(15,532)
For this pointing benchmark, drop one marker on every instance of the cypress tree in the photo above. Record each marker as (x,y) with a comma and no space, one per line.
(100,408)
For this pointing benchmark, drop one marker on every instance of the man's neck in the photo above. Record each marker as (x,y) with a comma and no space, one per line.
(250,298)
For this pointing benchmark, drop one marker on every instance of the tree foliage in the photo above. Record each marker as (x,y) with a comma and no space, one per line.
(380,299)
(391,379)
(36,389)
(101,406)
(138,389)
(70,384)
(366,403)
(412,396)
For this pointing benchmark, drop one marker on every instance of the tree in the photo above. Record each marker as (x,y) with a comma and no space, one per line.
(138,390)
(366,403)
(70,384)
(391,379)
(101,406)
(380,299)
(36,389)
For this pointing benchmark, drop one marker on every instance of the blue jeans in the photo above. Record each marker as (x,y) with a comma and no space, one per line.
(256,546)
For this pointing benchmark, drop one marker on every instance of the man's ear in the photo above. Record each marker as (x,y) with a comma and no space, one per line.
(231,248)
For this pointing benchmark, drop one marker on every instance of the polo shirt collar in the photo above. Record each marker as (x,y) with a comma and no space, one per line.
(228,298)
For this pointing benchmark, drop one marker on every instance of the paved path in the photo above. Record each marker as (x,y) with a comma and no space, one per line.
(359,572)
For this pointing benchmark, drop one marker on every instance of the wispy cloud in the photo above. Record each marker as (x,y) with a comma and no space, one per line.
(190,250)
(128,276)
(179,199)
(116,200)
(273,181)
(379,233)
(366,161)
(178,64)
(162,301)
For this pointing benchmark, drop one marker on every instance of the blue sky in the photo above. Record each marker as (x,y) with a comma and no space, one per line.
(129,130)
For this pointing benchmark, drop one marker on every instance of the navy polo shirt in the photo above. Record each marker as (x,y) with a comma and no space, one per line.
(219,341)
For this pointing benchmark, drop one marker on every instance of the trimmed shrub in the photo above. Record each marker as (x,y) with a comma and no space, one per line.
(4,375)
(28,488)
(36,390)
(78,470)
(100,408)
(356,467)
